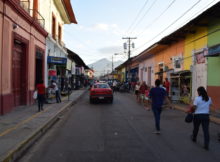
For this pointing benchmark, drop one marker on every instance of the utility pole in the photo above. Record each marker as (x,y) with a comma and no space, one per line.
(129,51)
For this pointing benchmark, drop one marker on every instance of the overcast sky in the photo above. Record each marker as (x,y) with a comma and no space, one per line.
(103,23)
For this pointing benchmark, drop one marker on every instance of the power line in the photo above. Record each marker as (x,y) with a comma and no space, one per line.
(170,24)
(133,22)
(157,18)
(143,16)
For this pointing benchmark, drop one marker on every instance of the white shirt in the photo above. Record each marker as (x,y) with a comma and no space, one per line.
(137,87)
(202,107)
(55,86)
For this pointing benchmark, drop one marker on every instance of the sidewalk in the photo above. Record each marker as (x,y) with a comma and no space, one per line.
(214,116)
(20,128)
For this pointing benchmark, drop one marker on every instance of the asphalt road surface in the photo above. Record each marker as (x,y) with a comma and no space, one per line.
(121,132)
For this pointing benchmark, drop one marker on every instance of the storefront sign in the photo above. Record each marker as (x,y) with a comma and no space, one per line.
(56,60)
(52,72)
(214,51)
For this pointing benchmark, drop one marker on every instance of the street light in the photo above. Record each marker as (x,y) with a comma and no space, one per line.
(113,61)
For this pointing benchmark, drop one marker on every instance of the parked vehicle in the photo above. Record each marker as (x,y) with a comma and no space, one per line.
(101,91)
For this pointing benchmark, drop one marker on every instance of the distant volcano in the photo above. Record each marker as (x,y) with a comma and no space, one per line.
(103,66)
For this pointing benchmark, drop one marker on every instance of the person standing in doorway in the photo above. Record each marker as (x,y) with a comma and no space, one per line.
(56,89)
(40,95)
(157,95)
(201,106)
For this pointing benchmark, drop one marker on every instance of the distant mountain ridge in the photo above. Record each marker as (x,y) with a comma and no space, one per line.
(103,66)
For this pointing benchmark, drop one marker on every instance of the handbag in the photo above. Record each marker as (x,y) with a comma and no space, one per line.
(35,95)
(189,118)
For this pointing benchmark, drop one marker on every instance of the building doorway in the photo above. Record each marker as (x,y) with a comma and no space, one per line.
(39,67)
(19,73)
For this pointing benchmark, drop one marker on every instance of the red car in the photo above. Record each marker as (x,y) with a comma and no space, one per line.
(101,91)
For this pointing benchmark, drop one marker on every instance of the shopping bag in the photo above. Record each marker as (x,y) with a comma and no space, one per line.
(189,118)
(35,95)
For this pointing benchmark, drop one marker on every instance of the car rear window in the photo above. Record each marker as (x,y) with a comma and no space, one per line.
(101,86)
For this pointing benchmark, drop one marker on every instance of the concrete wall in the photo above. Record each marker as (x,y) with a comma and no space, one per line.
(145,64)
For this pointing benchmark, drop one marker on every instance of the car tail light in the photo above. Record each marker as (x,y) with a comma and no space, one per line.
(92,92)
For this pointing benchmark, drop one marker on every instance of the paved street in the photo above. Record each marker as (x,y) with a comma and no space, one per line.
(121,132)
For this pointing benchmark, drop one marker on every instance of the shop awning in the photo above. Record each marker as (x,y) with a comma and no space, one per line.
(214,51)
(181,72)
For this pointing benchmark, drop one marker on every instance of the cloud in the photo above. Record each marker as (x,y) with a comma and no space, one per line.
(101,26)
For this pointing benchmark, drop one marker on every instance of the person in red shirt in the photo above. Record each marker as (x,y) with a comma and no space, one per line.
(40,95)
(142,89)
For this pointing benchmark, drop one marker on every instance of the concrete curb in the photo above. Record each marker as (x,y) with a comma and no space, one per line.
(212,118)
(21,148)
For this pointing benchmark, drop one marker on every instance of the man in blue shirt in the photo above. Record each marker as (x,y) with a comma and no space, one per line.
(157,96)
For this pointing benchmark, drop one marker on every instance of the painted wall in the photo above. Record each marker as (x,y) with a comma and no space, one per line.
(46,8)
(193,42)
(143,74)
(32,38)
(166,55)
(214,64)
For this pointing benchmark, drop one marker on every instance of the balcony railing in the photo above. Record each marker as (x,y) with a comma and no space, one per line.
(37,16)
(25,4)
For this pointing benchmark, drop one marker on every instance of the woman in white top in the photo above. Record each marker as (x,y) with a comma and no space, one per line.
(201,105)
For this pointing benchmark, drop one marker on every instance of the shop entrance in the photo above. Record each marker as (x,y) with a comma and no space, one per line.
(39,67)
(19,73)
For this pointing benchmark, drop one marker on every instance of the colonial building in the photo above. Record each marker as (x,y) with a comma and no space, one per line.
(57,13)
(22,54)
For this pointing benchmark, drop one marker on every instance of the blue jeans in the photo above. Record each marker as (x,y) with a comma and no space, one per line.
(157,112)
(58,96)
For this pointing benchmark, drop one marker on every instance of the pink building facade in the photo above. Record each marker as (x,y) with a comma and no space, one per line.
(22,50)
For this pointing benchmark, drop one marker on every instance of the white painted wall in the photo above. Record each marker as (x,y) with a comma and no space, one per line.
(142,71)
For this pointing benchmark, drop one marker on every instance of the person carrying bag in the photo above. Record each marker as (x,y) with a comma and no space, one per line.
(201,105)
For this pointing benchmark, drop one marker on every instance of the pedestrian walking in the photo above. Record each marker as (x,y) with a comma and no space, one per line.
(142,90)
(157,95)
(56,89)
(40,95)
(201,106)
(137,87)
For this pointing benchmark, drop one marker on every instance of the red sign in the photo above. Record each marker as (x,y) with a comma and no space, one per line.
(52,72)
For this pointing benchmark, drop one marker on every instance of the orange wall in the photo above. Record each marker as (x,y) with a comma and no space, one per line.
(165,55)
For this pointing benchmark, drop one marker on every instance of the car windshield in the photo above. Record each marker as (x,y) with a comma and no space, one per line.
(101,86)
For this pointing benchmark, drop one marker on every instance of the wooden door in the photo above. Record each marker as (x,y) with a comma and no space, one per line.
(18,74)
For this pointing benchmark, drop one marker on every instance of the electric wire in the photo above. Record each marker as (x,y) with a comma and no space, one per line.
(143,17)
(157,18)
(136,18)
(170,25)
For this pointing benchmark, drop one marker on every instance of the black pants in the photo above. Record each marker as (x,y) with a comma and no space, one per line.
(204,120)
(58,96)
(157,111)
(40,99)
